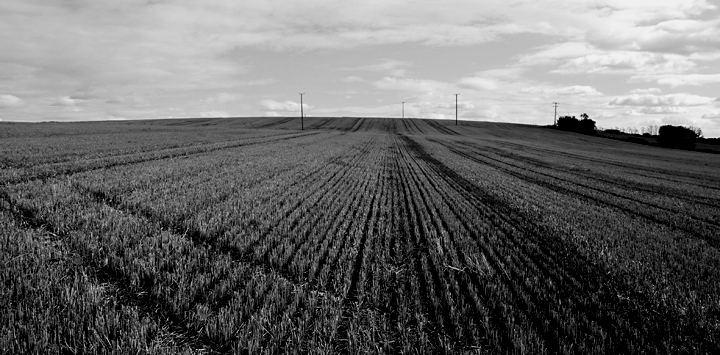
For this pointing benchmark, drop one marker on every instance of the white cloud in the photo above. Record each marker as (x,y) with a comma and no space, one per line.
(663,109)
(714,114)
(632,113)
(222,98)
(134,99)
(576,90)
(412,85)
(213,114)
(653,26)
(389,66)
(140,57)
(661,100)
(679,79)
(553,53)
(461,105)
(626,62)
(66,101)
(478,83)
(646,91)
(10,101)
(287,106)
(258,82)
(353,79)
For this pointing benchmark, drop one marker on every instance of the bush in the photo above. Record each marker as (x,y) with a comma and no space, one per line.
(570,123)
(677,137)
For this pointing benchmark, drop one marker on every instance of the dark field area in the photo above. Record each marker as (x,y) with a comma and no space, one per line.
(356,235)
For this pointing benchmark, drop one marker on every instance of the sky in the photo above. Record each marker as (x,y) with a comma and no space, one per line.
(626,63)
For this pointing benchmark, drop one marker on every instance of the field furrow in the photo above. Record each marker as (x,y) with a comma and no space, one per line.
(625,184)
(43,172)
(363,235)
(701,228)
(589,280)
(612,187)
(661,172)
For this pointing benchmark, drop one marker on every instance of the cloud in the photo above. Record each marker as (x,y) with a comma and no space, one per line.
(710,115)
(133,100)
(663,109)
(626,62)
(478,83)
(7,101)
(412,85)
(553,53)
(661,100)
(213,114)
(679,79)
(389,66)
(659,26)
(67,101)
(138,58)
(222,98)
(461,105)
(352,79)
(258,82)
(646,91)
(576,90)
(287,106)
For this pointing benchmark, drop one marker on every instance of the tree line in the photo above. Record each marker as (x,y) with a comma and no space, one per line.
(670,136)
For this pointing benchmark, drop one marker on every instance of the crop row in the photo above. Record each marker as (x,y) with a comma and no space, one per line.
(57,144)
(653,263)
(695,221)
(338,242)
(55,303)
(44,171)
(655,168)
(273,249)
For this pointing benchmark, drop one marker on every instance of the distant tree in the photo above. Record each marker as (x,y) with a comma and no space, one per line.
(587,125)
(570,123)
(698,131)
(678,136)
(713,141)
(651,130)
(566,122)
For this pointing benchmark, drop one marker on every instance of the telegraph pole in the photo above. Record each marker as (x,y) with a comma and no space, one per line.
(403,109)
(302,115)
(456,95)
(555,120)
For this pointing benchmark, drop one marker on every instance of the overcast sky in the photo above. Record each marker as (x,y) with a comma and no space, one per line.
(624,62)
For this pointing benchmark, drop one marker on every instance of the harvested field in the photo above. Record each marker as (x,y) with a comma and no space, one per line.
(355,235)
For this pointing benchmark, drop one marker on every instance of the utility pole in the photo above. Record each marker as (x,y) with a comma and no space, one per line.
(403,109)
(555,120)
(456,95)
(302,115)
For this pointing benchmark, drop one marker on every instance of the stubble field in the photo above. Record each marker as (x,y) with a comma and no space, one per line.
(355,235)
